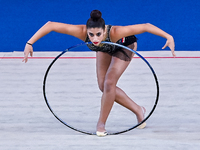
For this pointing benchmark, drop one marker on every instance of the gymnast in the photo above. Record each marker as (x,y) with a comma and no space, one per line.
(111,61)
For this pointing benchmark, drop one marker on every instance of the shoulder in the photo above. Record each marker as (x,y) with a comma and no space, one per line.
(83,32)
(78,31)
(118,32)
(114,33)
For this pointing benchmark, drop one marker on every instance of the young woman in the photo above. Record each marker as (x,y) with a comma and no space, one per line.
(111,61)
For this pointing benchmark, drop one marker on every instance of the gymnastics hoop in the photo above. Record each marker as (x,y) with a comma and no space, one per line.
(110,43)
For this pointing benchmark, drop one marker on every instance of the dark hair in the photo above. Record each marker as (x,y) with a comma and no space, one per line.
(95,20)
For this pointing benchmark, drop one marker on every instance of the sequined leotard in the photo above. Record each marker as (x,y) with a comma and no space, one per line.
(112,49)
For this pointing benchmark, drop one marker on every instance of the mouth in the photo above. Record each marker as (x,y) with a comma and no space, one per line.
(95,43)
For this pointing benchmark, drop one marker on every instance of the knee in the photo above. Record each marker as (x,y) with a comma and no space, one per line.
(105,85)
(108,85)
(133,46)
(101,87)
(101,84)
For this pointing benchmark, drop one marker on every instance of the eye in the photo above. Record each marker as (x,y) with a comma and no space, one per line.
(91,34)
(98,34)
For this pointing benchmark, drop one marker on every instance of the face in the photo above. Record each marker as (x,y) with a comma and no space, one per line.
(96,35)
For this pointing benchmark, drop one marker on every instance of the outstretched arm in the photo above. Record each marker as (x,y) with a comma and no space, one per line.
(119,32)
(78,31)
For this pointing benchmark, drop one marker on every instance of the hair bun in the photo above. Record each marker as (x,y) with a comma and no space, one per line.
(95,15)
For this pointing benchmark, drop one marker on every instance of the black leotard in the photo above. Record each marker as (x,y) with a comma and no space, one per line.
(113,50)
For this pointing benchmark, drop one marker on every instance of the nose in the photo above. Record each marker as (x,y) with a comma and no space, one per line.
(95,38)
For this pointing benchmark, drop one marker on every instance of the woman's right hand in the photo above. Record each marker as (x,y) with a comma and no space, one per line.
(28,49)
(170,43)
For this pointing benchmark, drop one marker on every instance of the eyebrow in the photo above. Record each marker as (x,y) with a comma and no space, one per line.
(90,33)
(93,33)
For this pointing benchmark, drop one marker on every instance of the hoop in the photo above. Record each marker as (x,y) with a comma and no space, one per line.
(110,43)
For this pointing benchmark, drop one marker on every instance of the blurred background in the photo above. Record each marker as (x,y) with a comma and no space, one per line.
(19,20)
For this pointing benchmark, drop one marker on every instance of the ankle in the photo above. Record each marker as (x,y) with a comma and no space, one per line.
(141,114)
(100,127)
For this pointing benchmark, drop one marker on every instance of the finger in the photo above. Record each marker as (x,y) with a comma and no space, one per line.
(173,53)
(164,46)
(25,57)
(24,60)
(31,54)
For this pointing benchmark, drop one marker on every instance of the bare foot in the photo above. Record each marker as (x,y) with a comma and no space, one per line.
(101,127)
(140,117)
(141,114)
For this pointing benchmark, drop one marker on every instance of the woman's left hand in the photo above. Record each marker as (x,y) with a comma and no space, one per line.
(170,43)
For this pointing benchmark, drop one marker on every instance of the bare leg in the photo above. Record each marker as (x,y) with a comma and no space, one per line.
(116,68)
(124,100)
(108,73)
